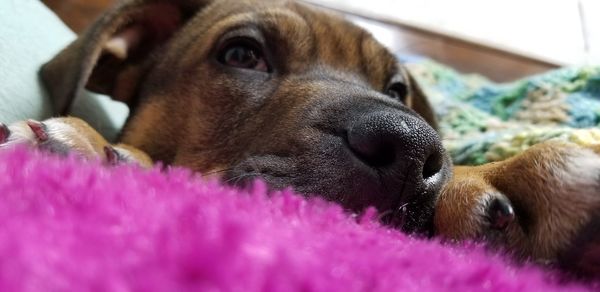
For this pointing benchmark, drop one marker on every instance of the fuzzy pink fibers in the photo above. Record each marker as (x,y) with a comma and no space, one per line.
(68,225)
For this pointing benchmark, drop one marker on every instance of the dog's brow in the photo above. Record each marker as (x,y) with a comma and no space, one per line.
(295,26)
(269,22)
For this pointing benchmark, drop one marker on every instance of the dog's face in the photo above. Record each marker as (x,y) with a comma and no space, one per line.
(265,89)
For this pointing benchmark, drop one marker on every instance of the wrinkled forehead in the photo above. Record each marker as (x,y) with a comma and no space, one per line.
(304,35)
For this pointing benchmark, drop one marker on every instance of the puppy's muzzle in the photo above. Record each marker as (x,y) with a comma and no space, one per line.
(401,148)
(403,158)
(359,149)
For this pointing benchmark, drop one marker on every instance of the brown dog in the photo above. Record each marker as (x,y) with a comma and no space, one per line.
(254,89)
(298,97)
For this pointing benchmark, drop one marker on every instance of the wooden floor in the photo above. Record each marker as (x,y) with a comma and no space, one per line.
(464,56)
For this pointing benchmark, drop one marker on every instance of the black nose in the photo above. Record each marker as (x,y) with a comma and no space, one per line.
(402,148)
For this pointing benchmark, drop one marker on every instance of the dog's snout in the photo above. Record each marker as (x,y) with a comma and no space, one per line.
(400,146)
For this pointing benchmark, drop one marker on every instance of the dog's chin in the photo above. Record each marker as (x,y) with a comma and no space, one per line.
(414,216)
(416,220)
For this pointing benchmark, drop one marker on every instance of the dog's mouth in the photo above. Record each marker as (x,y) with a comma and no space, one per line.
(403,218)
(406,213)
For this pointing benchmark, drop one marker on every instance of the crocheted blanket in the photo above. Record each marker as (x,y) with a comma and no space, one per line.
(482,121)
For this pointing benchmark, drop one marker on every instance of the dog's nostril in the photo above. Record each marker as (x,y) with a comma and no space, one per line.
(433,165)
(377,155)
(373,151)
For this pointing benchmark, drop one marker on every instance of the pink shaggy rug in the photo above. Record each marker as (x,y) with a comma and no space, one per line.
(69,225)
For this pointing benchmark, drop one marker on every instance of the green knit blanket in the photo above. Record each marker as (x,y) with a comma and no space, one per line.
(482,121)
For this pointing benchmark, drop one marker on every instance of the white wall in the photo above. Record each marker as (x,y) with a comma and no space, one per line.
(551,30)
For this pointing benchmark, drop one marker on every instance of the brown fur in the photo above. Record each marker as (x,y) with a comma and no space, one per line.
(553,188)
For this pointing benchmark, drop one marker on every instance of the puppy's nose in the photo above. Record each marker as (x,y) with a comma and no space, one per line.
(401,147)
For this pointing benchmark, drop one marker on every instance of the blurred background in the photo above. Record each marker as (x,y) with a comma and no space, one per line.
(501,39)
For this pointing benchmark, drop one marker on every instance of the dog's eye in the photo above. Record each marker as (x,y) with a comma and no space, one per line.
(243,54)
(397,91)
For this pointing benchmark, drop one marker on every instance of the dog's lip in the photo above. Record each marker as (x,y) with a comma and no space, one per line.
(245,173)
(400,218)
(395,217)
(429,230)
(278,173)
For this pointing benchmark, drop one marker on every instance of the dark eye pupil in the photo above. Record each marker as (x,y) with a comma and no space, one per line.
(242,57)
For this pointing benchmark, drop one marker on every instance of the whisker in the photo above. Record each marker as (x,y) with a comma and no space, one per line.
(217,171)
(237,179)
(402,206)
(384,213)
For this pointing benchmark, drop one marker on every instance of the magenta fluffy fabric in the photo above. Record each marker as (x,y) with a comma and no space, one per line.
(68,225)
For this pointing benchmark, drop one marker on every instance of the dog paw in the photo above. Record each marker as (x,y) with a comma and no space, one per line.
(30,132)
(69,136)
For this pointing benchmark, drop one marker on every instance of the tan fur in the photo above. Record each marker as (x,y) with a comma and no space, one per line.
(553,187)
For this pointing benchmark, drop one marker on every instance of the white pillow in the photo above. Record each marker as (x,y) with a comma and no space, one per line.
(30,35)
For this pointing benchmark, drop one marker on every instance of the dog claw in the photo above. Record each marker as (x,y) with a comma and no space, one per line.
(4,133)
(39,129)
(112,156)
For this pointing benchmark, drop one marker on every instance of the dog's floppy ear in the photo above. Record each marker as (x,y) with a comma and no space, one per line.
(418,101)
(108,57)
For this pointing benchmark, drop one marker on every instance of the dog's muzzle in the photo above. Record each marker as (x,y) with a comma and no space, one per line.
(357,151)
(408,157)
(403,149)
